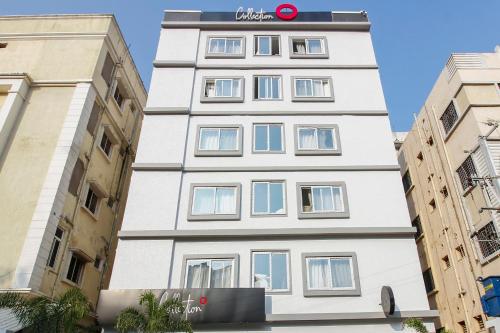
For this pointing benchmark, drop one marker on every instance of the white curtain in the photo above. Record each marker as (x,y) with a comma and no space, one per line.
(307,138)
(233,46)
(341,273)
(217,45)
(228,138)
(221,274)
(225,201)
(318,90)
(262,273)
(318,273)
(236,88)
(197,275)
(203,200)
(209,138)
(303,88)
(210,89)
(300,47)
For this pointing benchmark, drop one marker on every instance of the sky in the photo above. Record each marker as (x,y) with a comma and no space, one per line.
(412,39)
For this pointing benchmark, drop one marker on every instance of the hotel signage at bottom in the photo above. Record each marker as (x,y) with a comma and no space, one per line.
(216,305)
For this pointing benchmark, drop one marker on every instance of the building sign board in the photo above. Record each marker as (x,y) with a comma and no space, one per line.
(210,305)
(285,12)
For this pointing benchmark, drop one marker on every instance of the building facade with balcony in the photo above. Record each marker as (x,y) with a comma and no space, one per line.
(71,105)
(266,161)
(450,164)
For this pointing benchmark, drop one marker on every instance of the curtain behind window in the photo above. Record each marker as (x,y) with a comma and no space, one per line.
(341,273)
(307,138)
(209,139)
(221,274)
(225,201)
(197,275)
(318,273)
(228,138)
(203,201)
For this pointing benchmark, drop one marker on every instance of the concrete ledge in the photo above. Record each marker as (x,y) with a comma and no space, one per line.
(157,166)
(211,234)
(424,314)
(165,110)
(173,63)
(295,168)
(192,64)
(292,113)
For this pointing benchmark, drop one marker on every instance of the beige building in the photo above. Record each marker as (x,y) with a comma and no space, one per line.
(450,167)
(71,104)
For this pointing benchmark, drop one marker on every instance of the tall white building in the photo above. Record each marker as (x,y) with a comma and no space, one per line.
(266,161)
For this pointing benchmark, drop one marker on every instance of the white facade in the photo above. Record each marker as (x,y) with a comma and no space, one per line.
(159,230)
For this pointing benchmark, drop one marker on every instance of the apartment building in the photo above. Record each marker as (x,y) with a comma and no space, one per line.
(266,192)
(450,164)
(71,104)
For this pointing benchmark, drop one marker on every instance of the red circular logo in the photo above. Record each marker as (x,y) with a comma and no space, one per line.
(203,300)
(286,16)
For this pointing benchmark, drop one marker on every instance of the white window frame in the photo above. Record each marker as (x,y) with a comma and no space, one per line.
(80,274)
(316,137)
(268,150)
(110,139)
(209,260)
(214,217)
(331,191)
(308,54)
(330,278)
(269,182)
(219,131)
(256,80)
(224,54)
(340,212)
(323,80)
(270,37)
(98,204)
(239,98)
(54,240)
(271,252)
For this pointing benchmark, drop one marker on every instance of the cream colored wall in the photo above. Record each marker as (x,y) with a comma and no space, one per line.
(24,169)
(446,228)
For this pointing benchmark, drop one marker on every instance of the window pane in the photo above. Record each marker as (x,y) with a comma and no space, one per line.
(279,276)
(307,138)
(318,88)
(217,45)
(325,138)
(318,275)
(262,276)
(275,89)
(276,198)
(303,88)
(275,143)
(299,46)
(221,274)
(261,198)
(236,91)
(314,46)
(337,198)
(261,138)
(228,139)
(203,201)
(275,45)
(233,46)
(327,199)
(197,274)
(263,86)
(209,138)
(317,199)
(264,45)
(341,273)
(225,201)
(210,89)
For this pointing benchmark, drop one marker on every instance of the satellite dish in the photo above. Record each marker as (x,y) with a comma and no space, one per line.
(387,300)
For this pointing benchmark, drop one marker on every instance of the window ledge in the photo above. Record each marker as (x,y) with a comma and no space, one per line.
(220,217)
(313,99)
(268,152)
(277,293)
(309,56)
(106,157)
(339,215)
(120,109)
(419,238)
(252,215)
(224,56)
(70,283)
(312,152)
(220,153)
(327,293)
(432,292)
(222,100)
(468,190)
(94,216)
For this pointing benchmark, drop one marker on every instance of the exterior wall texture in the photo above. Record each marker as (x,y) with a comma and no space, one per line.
(152,247)
(452,245)
(52,117)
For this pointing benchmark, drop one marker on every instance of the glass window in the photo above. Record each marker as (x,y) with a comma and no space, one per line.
(267,87)
(312,88)
(223,88)
(56,244)
(322,199)
(214,139)
(209,273)
(268,137)
(225,46)
(214,200)
(466,172)
(106,144)
(92,201)
(118,97)
(316,138)
(407,183)
(306,46)
(75,269)
(268,198)
(267,45)
(271,271)
(330,273)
